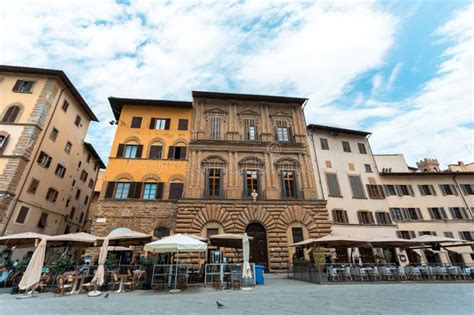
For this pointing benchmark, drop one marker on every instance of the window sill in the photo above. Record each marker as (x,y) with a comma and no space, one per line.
(335,196)
(23,92)
(360,198)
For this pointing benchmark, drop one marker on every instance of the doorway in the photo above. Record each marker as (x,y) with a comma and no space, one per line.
(258,247)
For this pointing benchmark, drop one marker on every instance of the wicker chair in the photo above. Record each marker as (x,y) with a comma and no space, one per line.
(44,282)
(62,285)
(131,283)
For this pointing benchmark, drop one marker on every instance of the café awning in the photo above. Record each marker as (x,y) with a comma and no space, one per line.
(333,241)
(392,242)
(433,239)
(176,243)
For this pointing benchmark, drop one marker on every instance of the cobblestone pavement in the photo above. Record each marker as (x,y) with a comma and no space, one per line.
(277,296)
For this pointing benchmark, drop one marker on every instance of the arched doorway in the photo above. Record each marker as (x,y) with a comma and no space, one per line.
(258,247)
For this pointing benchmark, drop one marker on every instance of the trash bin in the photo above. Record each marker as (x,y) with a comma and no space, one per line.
(259,269)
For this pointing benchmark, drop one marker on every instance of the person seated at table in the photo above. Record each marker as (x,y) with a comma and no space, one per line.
(84,269)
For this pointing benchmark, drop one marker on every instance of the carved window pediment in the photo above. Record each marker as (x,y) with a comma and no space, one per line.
(280,113)
(215,111)
(248,112)
(251,162)
(287,163)
(214,161)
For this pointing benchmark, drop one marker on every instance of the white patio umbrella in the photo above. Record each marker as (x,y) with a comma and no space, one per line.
(176,244)
(246,270)
(32,274)
(27,239)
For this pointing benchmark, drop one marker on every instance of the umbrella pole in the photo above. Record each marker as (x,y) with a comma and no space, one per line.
(176,275)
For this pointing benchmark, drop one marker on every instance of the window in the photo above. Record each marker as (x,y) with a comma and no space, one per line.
(81,217)
(54,134)
(162,232)
(182,124)
(215,128)
(79,164)
(77,121)
(52,195)
(73,182)
(397,214)
(467,189)
(365,217)
(177,153)
(33,186)
(427,190)
(86,200)
(211,232)
(362,149)
(324,144)
(375,192)
(406,234)
(67,202)
(251,179)
(88,158)
(297,235)
(72,213)
(91,183)
(427,233)
(283,132)
(3,141)
(333,185)
(448,190)
(368,168)
(437,214)
(149,191)
(466,235)
(390,190)
(357,188)
(406,214)
(84,176)
(383,218)
(23,86)
(11,114)
(250,130)
(68,147)
(346,147)
(340,216)
(459,213)
(65,106)
(60,171)
(155,152)
(414,214)
(136,122)
(214,182)
(43,221)
(160,123)
(176,191)
(130,151)
(289,184)
(22,215)
(448,234)
(78,194)
(122,190)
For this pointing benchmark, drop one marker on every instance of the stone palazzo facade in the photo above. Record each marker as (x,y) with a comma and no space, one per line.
(248,170)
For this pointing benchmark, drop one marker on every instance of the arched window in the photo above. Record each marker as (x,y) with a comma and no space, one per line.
(11,114)
(162,232)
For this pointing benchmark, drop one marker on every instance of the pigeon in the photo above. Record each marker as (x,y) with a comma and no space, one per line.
(219,305)
(106,295)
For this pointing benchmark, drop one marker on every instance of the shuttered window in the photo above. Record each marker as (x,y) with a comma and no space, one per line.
(333,185)
(22,215)
(365,217)
(467,189)
(459,213)
(156,152)
(183,124)
(43,221)
(250,130)
(437,214)
(214,182)
(362,149)
(176,191)
(383,218)
(288,179)
(33,186)
(340,216)
(357,188)
(215,128)
(324,144)
(375,191)
(44,159)
(176,153)
(136,122)
(390,190)
(427,190)
(467,235)
(122,190)
(160,123)
(52,194)
(346,147)
(149,191)
(397,214)
(406,234)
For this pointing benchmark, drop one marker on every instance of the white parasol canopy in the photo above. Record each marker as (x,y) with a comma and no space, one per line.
(32,274)
(22,239)
(432,239)
(176,243)
(332,241)
(246,270)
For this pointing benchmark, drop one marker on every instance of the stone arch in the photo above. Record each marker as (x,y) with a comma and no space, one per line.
(177,178)
(132,138)
(150,176)
(299,215)
(121,176)
(212,213)
(181,141)
(212,224)
(259,215)
(287,162)
(251,162)
(10,107)
(214,160)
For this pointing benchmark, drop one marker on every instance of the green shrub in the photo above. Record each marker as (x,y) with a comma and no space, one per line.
(112,261)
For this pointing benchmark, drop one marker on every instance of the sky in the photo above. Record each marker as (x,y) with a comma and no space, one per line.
(402,70)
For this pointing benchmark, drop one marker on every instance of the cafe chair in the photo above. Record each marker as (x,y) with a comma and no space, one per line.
(159,285)
(131,283)
(114,282)
(217,284)
(347,274)
(87,287)
(402,274)
(62,285)
(387,274)
(375,274)
(44,282)
(333,275)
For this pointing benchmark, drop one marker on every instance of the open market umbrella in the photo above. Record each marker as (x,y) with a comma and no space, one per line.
(433,239)
(27,239)
(392,242)
(332,241)
(228,240)
(175,244)
(32,274)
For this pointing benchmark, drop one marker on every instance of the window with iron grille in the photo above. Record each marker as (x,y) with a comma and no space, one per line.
(44,159)
(43,221)
(33,186)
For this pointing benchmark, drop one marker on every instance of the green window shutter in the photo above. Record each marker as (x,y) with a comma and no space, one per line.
(152,123)
(109,191)
(120,150)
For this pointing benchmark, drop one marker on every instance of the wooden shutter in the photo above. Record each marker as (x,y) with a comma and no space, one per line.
(418,212)
(120,150)
(398,188)
(155,152)
(443,213)
(152,123)
(171,153)
(48,161)
(182,153)
(221,182)
(333,185)
(183,124)
(139,151)
(109,191)
(167,124)
(206,183)
(131,191)
(371,217)
(421,190)
(159,191)
(138,190)
(392,213)
(176,191)
(136,122)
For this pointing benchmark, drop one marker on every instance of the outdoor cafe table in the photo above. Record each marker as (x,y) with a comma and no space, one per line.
(122,278)
(75,288)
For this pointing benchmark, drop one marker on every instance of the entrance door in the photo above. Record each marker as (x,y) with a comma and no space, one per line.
(258,247)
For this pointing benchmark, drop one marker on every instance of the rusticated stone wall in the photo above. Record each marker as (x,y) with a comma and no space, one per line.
(275,216)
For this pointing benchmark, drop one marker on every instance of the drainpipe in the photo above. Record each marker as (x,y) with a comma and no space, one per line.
(15,201)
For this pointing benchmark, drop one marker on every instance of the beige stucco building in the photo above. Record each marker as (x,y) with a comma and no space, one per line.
(371,196)
(47,171)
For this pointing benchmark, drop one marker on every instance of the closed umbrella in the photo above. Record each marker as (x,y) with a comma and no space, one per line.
(32,274)
(176,244)
(100,272)
(246,270)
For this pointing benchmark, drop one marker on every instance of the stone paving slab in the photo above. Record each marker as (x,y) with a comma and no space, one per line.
(277,296)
